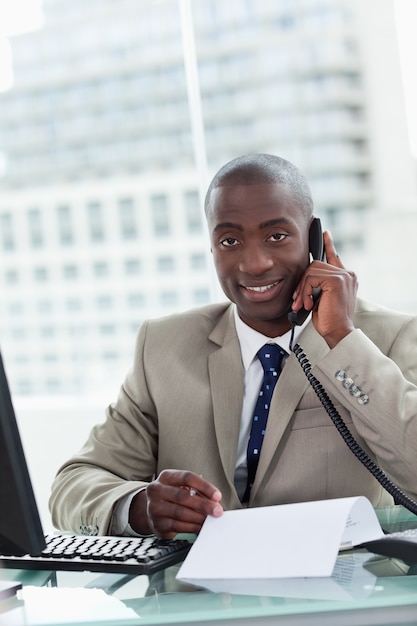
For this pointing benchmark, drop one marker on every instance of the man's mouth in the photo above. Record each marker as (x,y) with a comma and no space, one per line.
(262,288)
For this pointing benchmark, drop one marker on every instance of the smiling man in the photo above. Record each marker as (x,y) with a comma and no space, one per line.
(189,436)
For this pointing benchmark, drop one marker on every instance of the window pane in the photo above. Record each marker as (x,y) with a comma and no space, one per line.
(166,264)
(160,214)
(101,268)
(70,272)
(95,221)
(136,300)
(36,237)
(127,216)
(6,231)
(40,274)
(65,226)
(11,276)
(193,211)
(132,266)
(169,298)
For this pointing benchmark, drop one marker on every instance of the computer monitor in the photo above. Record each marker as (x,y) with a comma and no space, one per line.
(20,525)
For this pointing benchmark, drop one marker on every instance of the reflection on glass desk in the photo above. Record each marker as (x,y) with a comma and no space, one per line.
(364,589)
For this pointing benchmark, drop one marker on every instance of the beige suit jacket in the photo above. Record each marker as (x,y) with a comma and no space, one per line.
(180,407)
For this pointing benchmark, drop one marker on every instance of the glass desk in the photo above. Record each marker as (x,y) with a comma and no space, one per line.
(367,590)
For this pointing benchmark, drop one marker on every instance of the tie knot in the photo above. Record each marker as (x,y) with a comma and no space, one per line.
(271,355)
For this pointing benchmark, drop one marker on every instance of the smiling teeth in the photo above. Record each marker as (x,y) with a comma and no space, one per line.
(262,289)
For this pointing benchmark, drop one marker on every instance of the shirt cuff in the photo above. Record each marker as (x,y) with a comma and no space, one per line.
(120,519)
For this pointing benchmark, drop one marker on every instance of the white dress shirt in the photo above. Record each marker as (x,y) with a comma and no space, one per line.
(250,342)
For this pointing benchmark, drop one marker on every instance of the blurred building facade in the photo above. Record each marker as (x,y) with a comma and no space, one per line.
(101,224)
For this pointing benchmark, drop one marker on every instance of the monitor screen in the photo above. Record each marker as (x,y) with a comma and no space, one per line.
(20,525)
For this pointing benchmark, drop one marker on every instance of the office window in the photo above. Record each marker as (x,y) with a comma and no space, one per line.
(74,304)
(198,261)
(6,231)
(201,296)
(77,331)
(70,272)
(22,359)
(136,300)
(286,21)
(40,274)
(96,221)
(24,387)
(44,306)
(47,331)
(53,385)
(11,277)
(110,355)
(333,217)
(133,328)
(65,225)
(16,308)
(132,267)
(101,268)
(168,298)
(193,211)
(18,333)
(107,329)
(160,215)
(104,302)
(209,72)
(127,217)
(36,237)
(165,264)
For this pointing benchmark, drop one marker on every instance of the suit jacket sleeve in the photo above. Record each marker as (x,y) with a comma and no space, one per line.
(163,418)
(118,458)
(374,375)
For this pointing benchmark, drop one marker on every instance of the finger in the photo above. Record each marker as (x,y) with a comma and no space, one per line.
(168,513)
(190,480)
(167,528)
(317,278)
(307,292)
(196,484)
(175,509)
(180,501)
(198,502)
(195,500)
(331,253)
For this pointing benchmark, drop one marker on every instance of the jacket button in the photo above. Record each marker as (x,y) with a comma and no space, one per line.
(340,375)
(355,391)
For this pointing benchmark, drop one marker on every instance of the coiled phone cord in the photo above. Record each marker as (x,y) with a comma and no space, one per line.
(399,496)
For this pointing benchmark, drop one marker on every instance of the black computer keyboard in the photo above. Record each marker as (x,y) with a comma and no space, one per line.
(124,555)
(398,545)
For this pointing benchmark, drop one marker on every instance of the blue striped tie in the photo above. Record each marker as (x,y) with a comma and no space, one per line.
(270,355)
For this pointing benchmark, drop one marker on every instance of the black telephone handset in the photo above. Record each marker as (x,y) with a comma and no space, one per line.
(297,318)
(317,252)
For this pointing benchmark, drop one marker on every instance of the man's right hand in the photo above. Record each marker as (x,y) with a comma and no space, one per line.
(176,502)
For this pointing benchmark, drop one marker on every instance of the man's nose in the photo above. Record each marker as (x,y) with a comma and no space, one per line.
(256,260)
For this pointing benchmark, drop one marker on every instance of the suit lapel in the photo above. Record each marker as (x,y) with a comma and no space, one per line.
(291,385)
(226,383)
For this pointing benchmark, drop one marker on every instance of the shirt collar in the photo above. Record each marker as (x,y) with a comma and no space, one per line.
(251,341)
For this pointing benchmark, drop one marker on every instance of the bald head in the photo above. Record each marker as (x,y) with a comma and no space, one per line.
(255,169)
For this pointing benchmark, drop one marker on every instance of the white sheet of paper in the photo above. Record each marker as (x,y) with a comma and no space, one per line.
(284,541)
(349,580)
(55,605)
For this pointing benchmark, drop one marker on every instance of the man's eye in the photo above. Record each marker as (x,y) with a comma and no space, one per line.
(229,242)
(277,236)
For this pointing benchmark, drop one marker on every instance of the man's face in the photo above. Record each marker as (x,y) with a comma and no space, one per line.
(259,239)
